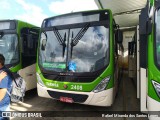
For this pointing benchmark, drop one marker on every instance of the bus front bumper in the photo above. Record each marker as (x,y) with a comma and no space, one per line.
(104,98)
(153,109)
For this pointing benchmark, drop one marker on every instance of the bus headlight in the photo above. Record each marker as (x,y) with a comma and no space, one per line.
(156,86)
(39,80)
(102,85)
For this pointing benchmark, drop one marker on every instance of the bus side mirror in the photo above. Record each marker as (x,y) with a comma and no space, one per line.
(43,41)
(119,36)
(146,28)
(149,26)
(145,23)
(43,44)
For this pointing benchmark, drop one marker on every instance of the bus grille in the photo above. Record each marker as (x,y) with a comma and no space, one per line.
(70,78)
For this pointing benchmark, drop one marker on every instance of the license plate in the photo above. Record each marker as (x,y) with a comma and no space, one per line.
(66,99)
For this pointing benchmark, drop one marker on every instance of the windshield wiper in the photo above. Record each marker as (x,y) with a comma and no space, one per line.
(60,39)
(80,34)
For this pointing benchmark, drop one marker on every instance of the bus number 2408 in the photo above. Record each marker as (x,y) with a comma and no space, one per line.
(76,87)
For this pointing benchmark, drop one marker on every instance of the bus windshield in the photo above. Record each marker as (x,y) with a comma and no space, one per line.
(84,48)
(158,37)
(9,48)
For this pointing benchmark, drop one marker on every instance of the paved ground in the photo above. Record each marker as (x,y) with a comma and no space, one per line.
(125,101)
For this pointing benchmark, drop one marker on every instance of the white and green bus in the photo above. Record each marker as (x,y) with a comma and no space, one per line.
(149,29)
(78,58)
(18,44)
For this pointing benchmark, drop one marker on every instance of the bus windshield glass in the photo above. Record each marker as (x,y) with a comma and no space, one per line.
(79,47)
(158,37)
(9,48)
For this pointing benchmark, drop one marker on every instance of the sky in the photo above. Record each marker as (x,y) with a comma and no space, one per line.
(34,11)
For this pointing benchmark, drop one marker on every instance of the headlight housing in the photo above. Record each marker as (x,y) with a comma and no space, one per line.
(102,85)
(39,80)
(156,86)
